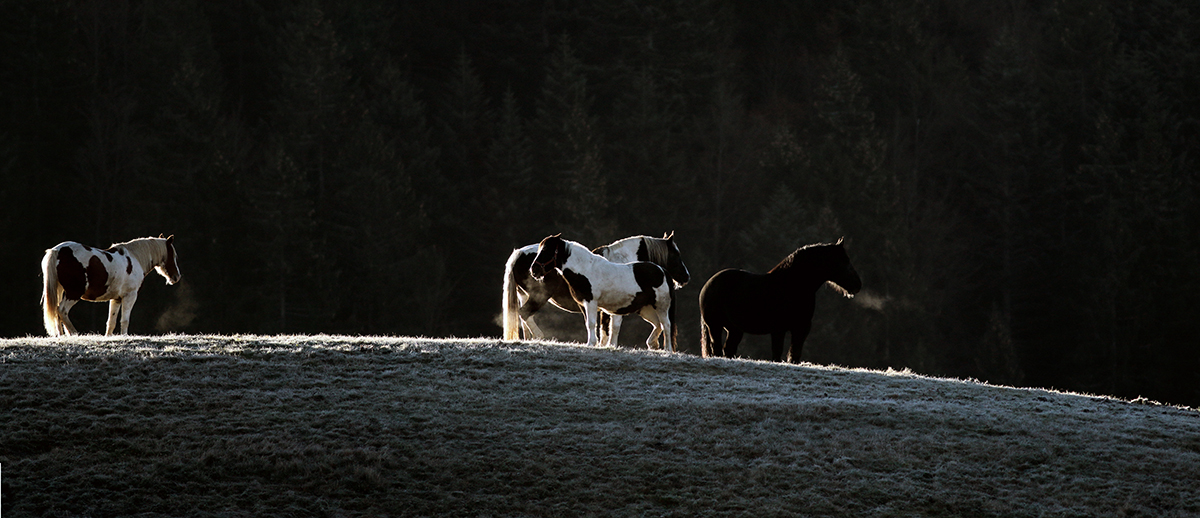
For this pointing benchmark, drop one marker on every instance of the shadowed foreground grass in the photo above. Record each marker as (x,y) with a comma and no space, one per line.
(342,426)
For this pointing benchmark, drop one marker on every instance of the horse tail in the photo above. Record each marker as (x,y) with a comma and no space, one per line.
(512,319)
(671,314)
(50,293)
(706,339)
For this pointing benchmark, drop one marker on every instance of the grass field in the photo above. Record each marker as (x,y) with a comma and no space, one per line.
(347,426)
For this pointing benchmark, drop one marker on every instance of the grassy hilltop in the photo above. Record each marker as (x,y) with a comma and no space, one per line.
(340,426)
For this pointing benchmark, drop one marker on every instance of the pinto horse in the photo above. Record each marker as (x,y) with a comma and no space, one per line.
(774,303)
(75,272)
(523,296)
(597,284)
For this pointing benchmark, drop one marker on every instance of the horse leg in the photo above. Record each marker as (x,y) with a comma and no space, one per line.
(777,346)
(114,315)
(603,327)
(65,327)
(531,329)
(731,345)
(591,312)
(655,319)
(127,308)
(798,336)
(614,329)
(664,323)
(655,331)
(525,313)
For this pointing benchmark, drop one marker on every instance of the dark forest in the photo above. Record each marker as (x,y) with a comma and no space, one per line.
(1016,181)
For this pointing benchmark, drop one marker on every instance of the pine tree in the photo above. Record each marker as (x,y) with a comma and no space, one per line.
(464,122)
(510,166)
(197,149)
(643,152)
(420,207)
(1013,186)
(567,131)
(300,172)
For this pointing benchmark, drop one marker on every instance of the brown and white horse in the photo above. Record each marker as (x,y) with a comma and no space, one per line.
(73,272)
(523,296)
(597,284)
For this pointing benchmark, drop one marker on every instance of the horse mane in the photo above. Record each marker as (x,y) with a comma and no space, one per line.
(150,251)
(790,260)
(657,250)
(805,253)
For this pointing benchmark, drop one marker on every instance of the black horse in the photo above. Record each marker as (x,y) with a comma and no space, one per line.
(774,303)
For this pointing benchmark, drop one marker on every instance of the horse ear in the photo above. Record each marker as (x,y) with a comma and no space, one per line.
(170,239)
(840,239)
(669,236)
(160,236)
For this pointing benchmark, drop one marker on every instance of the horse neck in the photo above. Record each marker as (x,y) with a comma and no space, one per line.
(798,273)
(581,259)
(625,250)
(150,252)
(622,251)
(658,251)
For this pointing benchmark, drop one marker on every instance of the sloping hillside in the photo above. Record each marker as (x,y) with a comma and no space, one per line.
(337,426)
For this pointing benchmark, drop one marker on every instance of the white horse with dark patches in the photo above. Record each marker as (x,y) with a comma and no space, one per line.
(73,272)
(523,296)
(597,284)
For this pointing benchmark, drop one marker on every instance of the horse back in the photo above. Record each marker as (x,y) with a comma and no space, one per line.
(756,303)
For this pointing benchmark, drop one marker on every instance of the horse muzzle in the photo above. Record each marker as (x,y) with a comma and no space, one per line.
(853,286)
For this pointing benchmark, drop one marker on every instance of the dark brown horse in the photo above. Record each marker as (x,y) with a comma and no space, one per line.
(774,303)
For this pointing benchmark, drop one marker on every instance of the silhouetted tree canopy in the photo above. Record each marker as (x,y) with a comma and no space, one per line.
(1016,181)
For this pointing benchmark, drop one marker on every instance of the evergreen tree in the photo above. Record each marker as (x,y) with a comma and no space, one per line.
(510,166)
(644,153)
(197,148)
(571,160)
(1014,178)
(423,277)
(300,170)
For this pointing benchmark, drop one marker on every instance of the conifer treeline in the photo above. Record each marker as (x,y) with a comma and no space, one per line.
(1016,180)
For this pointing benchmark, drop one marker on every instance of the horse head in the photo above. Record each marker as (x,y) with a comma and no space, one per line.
(842,274)
(552,252)
(169,268)
(675,267)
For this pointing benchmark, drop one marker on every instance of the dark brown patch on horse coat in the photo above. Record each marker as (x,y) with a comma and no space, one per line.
(649,276)
(581,287)
(79,282)
(128,266)
(71,274)
(97,276)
